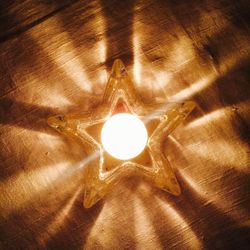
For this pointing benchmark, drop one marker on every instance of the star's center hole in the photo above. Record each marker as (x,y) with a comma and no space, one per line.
(124,136)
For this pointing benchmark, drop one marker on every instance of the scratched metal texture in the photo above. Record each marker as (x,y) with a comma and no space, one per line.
(55,57)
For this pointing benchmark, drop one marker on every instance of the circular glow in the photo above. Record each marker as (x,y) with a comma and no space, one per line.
(124,136)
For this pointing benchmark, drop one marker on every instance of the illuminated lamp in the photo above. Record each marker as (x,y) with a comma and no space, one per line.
(123,136)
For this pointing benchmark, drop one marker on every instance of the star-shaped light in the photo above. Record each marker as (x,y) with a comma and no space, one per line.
(103,171)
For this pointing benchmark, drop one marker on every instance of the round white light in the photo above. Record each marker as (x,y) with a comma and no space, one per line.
(124,136)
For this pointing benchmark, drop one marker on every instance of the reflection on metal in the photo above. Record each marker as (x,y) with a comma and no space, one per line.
(103,171)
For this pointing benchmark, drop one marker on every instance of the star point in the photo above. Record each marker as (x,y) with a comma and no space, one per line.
(103,171)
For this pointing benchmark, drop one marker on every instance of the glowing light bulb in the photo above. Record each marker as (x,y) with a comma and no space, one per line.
(124,136)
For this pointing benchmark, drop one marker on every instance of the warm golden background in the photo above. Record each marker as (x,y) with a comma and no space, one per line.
(55,57)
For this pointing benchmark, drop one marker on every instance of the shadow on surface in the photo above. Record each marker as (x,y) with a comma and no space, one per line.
(118,16)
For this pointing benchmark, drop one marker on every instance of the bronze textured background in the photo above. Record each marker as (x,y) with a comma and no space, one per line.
(55,57)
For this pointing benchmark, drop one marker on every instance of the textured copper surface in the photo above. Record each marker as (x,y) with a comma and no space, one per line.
(54,58)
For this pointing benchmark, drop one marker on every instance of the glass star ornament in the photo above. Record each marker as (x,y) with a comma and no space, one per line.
(102,168)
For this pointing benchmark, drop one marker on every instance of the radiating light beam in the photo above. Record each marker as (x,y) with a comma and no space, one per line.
(143,226)
(28,185)
(210,117)
(59,219)
(176,219)
(194,88)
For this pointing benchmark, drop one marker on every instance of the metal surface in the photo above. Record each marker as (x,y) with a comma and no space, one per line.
(55,57)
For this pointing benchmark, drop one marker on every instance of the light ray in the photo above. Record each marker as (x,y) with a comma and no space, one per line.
(137,62)
(102,74)
(59,219)
(222,151)
(77,167)
(104,222)
(55,99)
(163,78)
(52,142)
(194,88)
(144,227)
(176,219)
(211,196)
(28,185)
(208,118)
(194,184)
(175,141)
(151,80)
(64,55)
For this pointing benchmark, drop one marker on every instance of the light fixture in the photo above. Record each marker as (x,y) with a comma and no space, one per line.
(123,136)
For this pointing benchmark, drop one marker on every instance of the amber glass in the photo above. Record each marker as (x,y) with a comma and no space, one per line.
(102,171)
